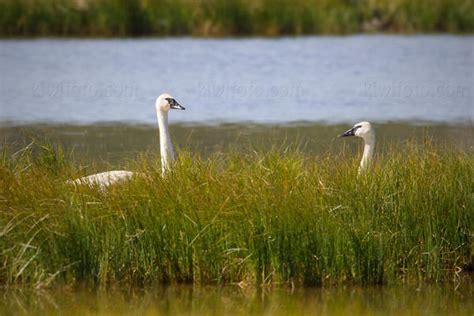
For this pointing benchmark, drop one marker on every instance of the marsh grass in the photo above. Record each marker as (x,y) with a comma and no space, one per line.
(231,17)
(266,218)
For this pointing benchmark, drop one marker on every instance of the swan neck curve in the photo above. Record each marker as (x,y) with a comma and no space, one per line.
(369,145)
(166,147)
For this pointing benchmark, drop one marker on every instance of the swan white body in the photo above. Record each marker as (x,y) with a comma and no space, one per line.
(104,179)
(164,103)
(365,131)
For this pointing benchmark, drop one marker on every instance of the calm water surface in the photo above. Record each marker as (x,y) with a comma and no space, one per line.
(117,143)
(330,79)
(449,299)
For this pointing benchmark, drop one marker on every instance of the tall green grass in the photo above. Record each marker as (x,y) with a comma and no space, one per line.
(266,218)
(231,17)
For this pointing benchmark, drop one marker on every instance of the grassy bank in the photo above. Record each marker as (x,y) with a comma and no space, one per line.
(257,218)
(231,17)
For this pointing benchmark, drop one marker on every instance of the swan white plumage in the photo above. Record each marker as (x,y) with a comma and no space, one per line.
(103,179)
(365,131)
(163,104)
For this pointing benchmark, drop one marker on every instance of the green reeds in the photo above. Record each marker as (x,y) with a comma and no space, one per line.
(279,217)
(231,17)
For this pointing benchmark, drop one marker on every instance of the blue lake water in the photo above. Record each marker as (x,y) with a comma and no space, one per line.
(315,79)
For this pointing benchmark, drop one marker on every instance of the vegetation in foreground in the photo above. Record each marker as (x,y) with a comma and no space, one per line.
(231,17)
(279,217)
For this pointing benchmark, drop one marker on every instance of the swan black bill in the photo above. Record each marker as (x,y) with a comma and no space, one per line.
(349,133)
(174,104)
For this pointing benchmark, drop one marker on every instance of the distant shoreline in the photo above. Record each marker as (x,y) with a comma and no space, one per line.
(236,18)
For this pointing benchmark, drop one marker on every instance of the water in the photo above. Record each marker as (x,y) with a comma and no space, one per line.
(117,143)
(316,79)
(232,300)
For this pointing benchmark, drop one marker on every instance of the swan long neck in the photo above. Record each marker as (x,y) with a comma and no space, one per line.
(369,145)
(166,147)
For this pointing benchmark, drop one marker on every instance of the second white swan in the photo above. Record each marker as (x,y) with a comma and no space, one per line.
(163,104)
(365,131)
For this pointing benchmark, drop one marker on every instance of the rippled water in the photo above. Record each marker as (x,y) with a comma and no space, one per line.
(331,79)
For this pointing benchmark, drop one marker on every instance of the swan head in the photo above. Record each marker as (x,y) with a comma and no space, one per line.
(166,102)
(362,129)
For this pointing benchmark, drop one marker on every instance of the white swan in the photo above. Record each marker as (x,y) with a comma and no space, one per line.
(365,131)
(164,103)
